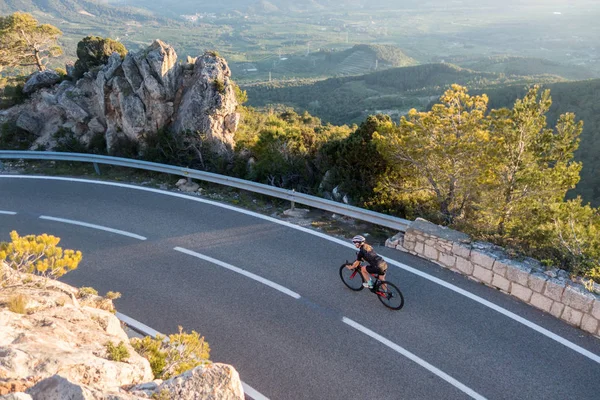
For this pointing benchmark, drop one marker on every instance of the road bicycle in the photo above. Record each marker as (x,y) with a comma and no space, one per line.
(386,292)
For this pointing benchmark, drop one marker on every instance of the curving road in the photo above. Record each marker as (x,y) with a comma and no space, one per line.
(267,297)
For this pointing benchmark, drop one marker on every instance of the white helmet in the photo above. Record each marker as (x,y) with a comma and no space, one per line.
(358,239)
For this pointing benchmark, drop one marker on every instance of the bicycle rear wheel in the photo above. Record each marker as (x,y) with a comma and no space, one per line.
(351,278)
(391,296)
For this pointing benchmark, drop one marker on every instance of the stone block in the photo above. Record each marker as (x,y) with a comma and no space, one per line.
(541,302)
(430,242)
(521,292)
(589,324)
(499,268)
(427,228)
(537,282)
(419,246)
(577,298)
(557,309)
(464,266)
(501,283)
(518,273)
(392,243)
(483,274)
(447,260)
(402,248)
(596,309)
(484,260)
(572,316)
(461,250)
(430,252)
(554,289)
(409,245)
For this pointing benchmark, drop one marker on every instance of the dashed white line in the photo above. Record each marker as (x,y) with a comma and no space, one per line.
(93,226)
(405,267)
(146,330)
(414,358)
(8,212)
(230,267)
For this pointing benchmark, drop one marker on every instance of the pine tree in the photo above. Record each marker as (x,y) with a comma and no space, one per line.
(24,42)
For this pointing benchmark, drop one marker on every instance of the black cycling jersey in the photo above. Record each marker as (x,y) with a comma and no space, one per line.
(366,253)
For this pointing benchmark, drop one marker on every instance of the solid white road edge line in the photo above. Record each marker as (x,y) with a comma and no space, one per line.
(414,358)
(405,267)
(8,212)
(100,227)
(146,330)
(230,267)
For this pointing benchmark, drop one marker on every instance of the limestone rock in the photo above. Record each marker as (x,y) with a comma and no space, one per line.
(139,95)
(40,80)
(211,381)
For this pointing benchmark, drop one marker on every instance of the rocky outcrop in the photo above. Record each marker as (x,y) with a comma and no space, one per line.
(126,99)
(40,80)
(54,346)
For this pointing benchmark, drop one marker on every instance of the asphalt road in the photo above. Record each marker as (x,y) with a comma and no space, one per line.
(441,345)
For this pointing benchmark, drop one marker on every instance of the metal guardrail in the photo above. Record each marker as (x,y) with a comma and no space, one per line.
(294,197)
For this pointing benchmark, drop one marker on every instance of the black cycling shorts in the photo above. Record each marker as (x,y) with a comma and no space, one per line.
(379,269)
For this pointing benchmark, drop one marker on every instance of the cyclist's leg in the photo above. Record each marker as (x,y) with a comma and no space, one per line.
(364,273)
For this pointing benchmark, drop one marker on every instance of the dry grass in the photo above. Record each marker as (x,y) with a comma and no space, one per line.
(18,304)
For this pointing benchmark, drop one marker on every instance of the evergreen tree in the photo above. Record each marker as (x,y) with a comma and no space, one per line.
(24,42)
(441,156)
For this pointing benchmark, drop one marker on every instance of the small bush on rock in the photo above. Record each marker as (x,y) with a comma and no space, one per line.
(86,291)
(38,254)
(18,304)
(118,352)
(173,355)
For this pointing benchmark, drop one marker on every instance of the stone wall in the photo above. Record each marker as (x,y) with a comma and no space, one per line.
(548,289)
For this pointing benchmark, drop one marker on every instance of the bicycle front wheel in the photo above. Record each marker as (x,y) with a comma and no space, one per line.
(391,296)
(351,278)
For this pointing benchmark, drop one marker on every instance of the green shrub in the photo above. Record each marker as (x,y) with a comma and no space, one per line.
(173,355)
(11,91)
(38,254)
(118,352)
(219,86)
(112,295)
(18,304)
(86,291)
(15,138)
(94,51)
(67,142)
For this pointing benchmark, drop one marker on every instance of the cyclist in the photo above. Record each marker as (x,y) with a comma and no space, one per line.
(376,264)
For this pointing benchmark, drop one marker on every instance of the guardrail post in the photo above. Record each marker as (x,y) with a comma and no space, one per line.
(293,203)
(97,168)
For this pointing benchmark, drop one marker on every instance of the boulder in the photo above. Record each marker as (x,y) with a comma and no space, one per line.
(40,80)
(211,381)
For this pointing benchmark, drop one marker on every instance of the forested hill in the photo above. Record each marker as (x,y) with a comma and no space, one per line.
(583,99)
(78,10)
(514,65)
(394,91)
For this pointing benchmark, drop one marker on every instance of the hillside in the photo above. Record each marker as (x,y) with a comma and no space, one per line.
(393,91)
(77,10)
(357,60)
(513,65)
(583,99)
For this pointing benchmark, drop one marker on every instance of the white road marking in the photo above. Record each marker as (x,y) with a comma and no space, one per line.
(8,212)
(414,358)
(251,392)
(100,227)
(405,267)
(146,330)
(230,267)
